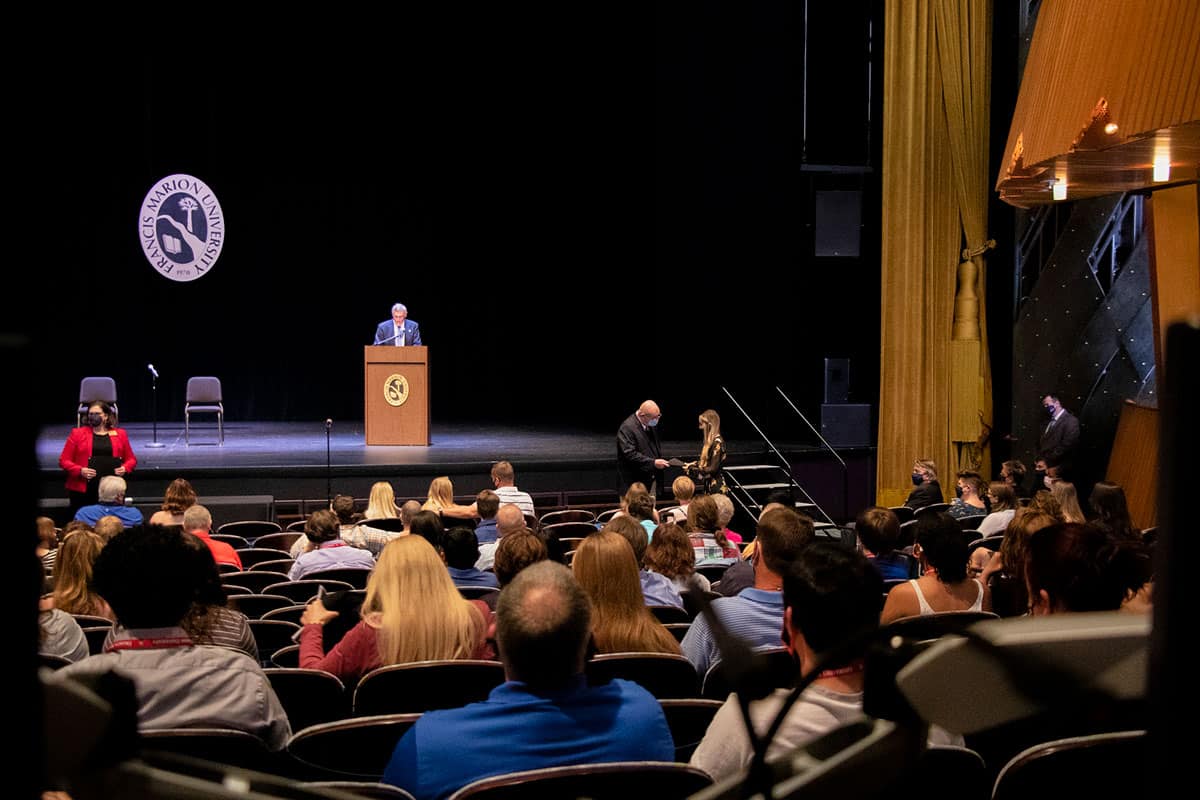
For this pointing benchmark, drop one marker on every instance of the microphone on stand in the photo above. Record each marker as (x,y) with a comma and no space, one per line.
(153,371)
(328,424)
(154,405)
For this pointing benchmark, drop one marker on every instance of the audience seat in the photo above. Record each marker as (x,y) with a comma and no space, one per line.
(780,674)
(255,605)
(615,781)
(933,626)
(277,541)
(302,591)
(286,657)
(258,555)
(232,539)
(903,513)
(283,565)
(425,686)
(688,719)
(255,581)
(568,515)
(249,529)
(664,675)
(367,789)
(271,635)
(287,613)
(220,745)
(96,636)
(355,577)
(309,696)
(665,614)
(1099,765)
(990,542)
(355,749)
(678,629)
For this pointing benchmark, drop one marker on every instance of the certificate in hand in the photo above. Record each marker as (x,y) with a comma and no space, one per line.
(104,465)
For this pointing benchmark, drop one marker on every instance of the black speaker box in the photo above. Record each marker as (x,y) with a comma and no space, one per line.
(846,424)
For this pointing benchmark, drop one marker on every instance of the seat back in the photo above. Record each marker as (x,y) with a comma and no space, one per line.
(367,789)
(203,390)
(309,696)
(568,515)
(688,719)
(425,686)
(277,541)
(664,675)
(257,555)
(271,635)
(389,524)
(1100,765)
(949,771)
(355,577)
(254,581)
(614,781)
(357,749)
(255,605)
(779,672)
(934,626)
(224,746)
(95,390)
(96,636)
(665,614)
(250,529)
(231,539)
(304,590)
(281,565)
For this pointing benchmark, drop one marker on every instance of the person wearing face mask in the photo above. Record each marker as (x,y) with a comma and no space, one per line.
(1059,436)
(926,489)
(639,454)
(88,453)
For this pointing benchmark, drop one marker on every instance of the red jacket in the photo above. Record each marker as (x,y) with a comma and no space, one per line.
(78,450)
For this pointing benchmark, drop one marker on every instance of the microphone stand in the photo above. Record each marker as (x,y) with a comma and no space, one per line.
(328,465)
(154,409)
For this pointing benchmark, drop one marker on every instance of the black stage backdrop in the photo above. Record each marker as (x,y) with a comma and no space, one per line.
(577,221)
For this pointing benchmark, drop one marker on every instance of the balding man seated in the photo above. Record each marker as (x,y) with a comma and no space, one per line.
(545,715)
(509,519)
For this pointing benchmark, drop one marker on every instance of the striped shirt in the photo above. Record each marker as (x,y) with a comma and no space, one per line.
(755,616)
(522,500)
(220,626)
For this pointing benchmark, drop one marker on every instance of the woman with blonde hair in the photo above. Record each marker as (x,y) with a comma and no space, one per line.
(73,575)
(1068,501)
(706,471)
(382,502)
(607,569)
(412,612)
(441,500)
(179,497)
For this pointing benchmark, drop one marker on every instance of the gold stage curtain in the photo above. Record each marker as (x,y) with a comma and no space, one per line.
(935,378)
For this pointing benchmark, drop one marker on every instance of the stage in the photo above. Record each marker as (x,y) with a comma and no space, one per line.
(280,464)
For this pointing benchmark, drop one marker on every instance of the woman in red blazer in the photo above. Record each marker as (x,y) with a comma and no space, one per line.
(99,438)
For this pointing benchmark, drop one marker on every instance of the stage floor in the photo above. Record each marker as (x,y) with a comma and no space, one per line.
(288,460)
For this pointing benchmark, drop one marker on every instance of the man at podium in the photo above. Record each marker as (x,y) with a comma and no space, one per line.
(399,330)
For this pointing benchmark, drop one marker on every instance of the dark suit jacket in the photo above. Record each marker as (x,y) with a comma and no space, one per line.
(636,450)
(927,494)
(385,330)
(1057,441)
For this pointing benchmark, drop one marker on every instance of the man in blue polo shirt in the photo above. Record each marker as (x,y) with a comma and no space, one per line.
(545,715)
(111,494)
(755,615)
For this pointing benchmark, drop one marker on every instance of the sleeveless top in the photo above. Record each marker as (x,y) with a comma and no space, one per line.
(927,609)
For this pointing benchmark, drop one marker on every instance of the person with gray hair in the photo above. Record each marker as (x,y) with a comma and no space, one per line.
(399,330)
(545,714)
(111,496)
(197,520)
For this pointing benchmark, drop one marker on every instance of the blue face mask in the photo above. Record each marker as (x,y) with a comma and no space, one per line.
(652,423)
(917,479)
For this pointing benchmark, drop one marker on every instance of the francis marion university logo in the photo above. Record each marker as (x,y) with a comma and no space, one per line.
(181,227)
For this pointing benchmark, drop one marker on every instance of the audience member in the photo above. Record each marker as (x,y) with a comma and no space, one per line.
(326,549)
(441,500)
(943,585)
(502,478)
(706,532)
(640,506)
(58,632)
(198,521)
(830,594)
(461,551)
(358,532)
(878,530)
(1013,473)
(756,614)
(179,497)
(381,503)
(968,500)
(47,546)
(545,715)
(607,570)
(111,496)
(1068,501)
(1073,567)
(108,526)
(515,552)
(657,590)
(682,489)
(210,621)
(410,577)
(1003,504)
(740,574)
(1044,502)
(73,592)
(1003,578)
(487,504)
(927,491)
(1112,512)
(724,515)
(509,520)
(670,554)
(149,578)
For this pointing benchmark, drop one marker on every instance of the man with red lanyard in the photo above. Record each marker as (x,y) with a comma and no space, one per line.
(326,548)
(178,684)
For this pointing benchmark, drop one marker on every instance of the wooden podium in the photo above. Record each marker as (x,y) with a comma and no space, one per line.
(396,394)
